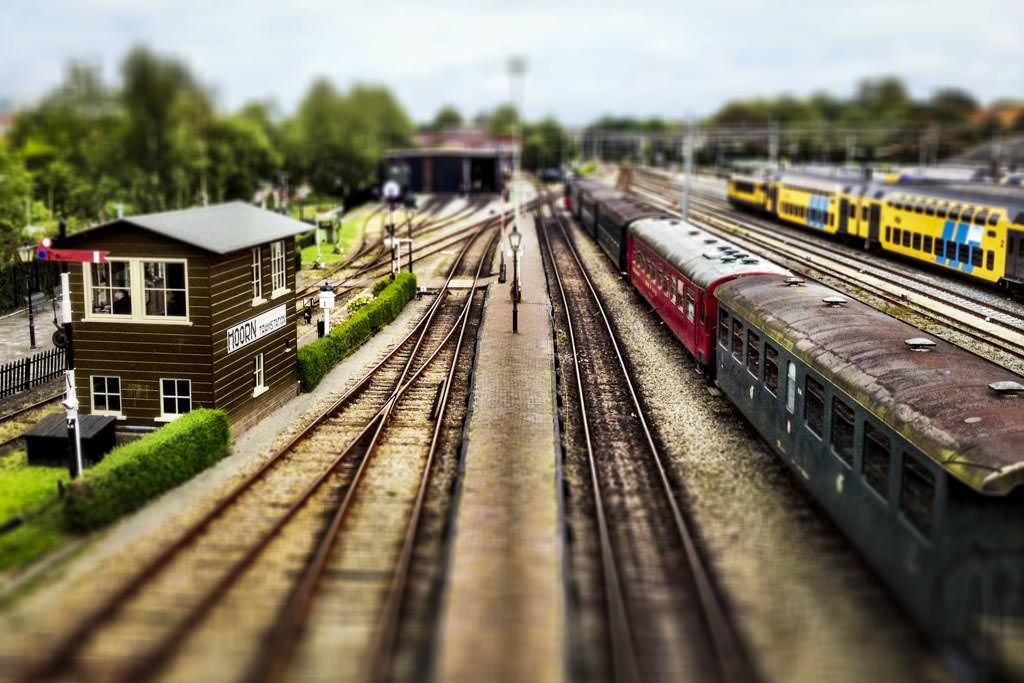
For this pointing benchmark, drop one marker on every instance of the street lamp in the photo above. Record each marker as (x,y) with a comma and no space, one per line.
(26,255)
(515,238)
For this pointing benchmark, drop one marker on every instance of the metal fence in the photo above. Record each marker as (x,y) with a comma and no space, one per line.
(25,373)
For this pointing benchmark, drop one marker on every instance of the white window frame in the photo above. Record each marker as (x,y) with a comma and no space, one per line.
(259,377)
(257,276)
(278,269)
(169,417)
(137,285)
(107,393)
(165,289)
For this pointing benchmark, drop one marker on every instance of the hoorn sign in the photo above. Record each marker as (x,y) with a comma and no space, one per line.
(252,329)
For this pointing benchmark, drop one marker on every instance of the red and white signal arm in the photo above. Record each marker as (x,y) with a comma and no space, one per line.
(44,252)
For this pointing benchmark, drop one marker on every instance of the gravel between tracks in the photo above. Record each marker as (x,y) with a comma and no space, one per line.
(810,608)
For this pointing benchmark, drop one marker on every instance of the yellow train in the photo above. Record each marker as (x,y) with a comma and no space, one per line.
(975,230)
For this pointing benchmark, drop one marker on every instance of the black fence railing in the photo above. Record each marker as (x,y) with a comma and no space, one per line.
(25,373)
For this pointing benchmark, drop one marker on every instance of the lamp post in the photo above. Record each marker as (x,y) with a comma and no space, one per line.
(410,213)
(515,238)
(27,254)
(516,71)
(391,192)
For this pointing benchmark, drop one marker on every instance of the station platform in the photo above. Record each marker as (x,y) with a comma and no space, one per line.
(503,612)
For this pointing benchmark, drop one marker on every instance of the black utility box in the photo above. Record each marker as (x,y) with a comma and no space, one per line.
(47,442)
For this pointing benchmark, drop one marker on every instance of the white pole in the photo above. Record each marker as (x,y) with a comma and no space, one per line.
(688,157)
(70,398)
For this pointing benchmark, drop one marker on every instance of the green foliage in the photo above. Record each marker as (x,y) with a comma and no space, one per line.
(380,285)
(587,167)
(317,358)
(134,473)
(15,189)
(504,121)
(446,118)
(545,145)
(31,493)
(359,302)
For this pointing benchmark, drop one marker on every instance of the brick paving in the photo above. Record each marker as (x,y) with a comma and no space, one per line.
(503,609)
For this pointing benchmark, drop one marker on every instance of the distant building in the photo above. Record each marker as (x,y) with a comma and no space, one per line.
(193,308)
(449,170)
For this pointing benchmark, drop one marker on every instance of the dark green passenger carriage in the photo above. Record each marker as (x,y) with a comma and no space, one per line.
(914,446)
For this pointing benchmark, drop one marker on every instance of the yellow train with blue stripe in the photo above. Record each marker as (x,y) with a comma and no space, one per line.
(976,230)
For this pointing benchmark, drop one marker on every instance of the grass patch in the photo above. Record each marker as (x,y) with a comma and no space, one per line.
(30,492)
(349,237)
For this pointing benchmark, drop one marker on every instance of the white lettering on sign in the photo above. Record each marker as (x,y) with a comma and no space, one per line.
(254,328)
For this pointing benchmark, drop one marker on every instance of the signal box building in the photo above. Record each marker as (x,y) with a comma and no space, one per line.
(193,308)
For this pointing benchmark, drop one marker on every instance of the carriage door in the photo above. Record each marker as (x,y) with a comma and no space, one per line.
(844,208)
(790,395)
(1015,254)
(875,222)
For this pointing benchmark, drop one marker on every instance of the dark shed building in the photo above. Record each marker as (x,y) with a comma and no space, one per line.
(194,308)
(449,170)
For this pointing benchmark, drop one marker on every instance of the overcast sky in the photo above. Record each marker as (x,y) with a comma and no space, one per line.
(636,57)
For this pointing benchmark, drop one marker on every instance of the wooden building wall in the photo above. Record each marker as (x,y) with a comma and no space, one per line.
(142,353)
(231,289)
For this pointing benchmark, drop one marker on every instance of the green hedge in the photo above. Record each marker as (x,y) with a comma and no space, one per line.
(132,474)
(317,358)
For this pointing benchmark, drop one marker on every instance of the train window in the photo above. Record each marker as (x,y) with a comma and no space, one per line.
(966,216)
(941,211)
(951,249)
(929,210)
(919,208)
(842,431)
(690,308)
(679,293)
(917,494)
(896,235)
(981,217)
(703,311)
(876,459)
(771,369)
(993,219)
(814,405)
(906,238)
(790,387)
(965,253)
(990,260)
(864,213)
(940,246)
(753,353)
(723,329)
(888,233)
(853,211)
(928,244)
(976,257)
(737,340)
(917,241)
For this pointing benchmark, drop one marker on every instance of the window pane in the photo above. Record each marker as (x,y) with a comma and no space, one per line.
(120,274)
(183,388)
(114,385)
(100,274)
(99,384)
(176,303)
(876,459)
(155,302)
(754,354)
(723,328)
(184,405)
(737,339)
(814,406)
(790,387)
(689,305)
(153,274)
(167,387)
(122,302)
(100,401)
(771,368)
(175,275)
(842,430)
(168,405)
(114,402)
(917,494)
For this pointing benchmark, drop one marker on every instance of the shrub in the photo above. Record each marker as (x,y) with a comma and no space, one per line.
(317,358)
(132,474)
(359,302)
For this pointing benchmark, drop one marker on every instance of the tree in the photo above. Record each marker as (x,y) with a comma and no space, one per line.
(15,191)
(447,117)
(504,121)
(545,145)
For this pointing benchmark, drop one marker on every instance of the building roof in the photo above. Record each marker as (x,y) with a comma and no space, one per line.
(220,228)
(705,259)
(476,152)
(944,400)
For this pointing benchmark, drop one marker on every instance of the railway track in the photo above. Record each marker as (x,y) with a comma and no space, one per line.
(664,618)
(994,325)
(24,411)
(324,517)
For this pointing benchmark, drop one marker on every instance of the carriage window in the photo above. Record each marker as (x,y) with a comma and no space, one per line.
(842,430)
(723,329)
(771,369)
(929,210)
(976,257)
(993,219)
(918,208)
(737,339)
(964,255)
(896,235)
(928,244)
(753,353)
(981,217)
(790,386)
(906,238)
(968,213)
(917,241)
(876,459)
(690,308)
(941,212)
(853,211)
(814,405)
(679,292)
(990,260)
(951,249)
(940,246)
(917,494)
(888,233)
